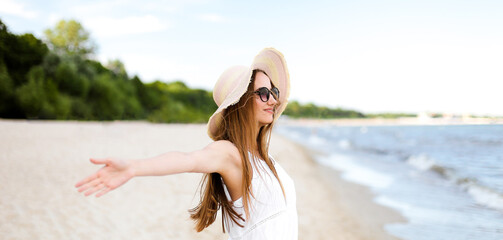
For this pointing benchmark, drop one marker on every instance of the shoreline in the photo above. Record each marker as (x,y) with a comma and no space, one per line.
(346,204)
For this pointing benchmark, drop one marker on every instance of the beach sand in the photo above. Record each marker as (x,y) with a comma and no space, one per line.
(40,162)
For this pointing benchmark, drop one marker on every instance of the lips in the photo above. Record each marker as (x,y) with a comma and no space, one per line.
(269,110)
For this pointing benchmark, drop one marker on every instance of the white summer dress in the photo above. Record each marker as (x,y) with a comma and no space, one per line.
(271,217)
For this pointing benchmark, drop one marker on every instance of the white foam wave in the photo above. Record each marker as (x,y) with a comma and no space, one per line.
(416,213)
(356,173)
(482,195)
(402,207)
(485,196)
(315,140)
(421,162)
(344,144)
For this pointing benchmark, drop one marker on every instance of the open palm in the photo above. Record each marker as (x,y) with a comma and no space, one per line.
(111,176)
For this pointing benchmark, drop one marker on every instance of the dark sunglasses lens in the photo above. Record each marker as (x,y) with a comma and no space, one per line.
(275,91)
(264,94)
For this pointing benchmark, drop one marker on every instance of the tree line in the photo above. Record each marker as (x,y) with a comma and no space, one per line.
(297,110)
(56,78)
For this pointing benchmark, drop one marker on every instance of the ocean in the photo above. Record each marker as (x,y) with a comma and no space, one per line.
(446,180)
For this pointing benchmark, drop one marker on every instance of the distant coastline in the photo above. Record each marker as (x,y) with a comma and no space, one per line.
(391,121)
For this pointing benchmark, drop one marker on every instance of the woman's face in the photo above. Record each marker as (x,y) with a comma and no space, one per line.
(264,111)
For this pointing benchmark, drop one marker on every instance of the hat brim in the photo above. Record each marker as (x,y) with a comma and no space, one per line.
(273,63)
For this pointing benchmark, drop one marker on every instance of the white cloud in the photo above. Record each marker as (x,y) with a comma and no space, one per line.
(111,27)
(210,17)
(10,7)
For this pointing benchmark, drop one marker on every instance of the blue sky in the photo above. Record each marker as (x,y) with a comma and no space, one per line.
(371,56)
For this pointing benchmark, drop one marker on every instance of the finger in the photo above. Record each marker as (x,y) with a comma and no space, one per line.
(103,192)
(94,183)
(95,189)
(100,160)
(87,180)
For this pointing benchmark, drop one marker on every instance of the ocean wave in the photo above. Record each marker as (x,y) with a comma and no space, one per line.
(344,144)
(480,194)
(425,163)
(373,150)
(421,162)
(487,142)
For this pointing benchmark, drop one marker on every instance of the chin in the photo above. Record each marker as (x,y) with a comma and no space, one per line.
(265,119)
(263,123)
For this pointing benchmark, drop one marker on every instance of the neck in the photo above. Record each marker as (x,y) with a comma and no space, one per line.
(255,149)
(259,125)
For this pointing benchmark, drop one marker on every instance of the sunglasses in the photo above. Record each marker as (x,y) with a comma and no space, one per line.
(264,93)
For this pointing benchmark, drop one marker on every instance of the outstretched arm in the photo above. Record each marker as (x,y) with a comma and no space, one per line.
(221,156)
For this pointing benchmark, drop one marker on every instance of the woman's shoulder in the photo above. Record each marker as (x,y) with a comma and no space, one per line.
(227,148)
(224,145)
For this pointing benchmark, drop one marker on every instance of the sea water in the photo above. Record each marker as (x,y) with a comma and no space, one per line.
(446,180)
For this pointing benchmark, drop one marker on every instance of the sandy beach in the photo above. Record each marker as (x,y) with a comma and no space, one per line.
(40,161)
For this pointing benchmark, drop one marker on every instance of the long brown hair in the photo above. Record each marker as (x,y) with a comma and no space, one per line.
(238,127)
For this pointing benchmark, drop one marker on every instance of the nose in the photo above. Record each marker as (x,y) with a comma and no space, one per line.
(272,100)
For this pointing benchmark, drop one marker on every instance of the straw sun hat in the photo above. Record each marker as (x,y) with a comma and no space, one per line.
(234,81)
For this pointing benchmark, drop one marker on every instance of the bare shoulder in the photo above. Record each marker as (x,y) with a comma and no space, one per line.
(223,145)
(225,149)
(219,156)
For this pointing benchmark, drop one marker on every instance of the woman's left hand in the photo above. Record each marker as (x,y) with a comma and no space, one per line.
(115,173)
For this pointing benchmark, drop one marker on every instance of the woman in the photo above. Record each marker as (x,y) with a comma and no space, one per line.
(255,194)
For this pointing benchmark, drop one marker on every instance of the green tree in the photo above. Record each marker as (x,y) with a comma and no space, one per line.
(70,38)
(39,98)
(6,92)
(310,110)
(132,105)
(69,80)
(20,53)
(31,96)
(151,95)
(81,109)
(105,98)
(117,68)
